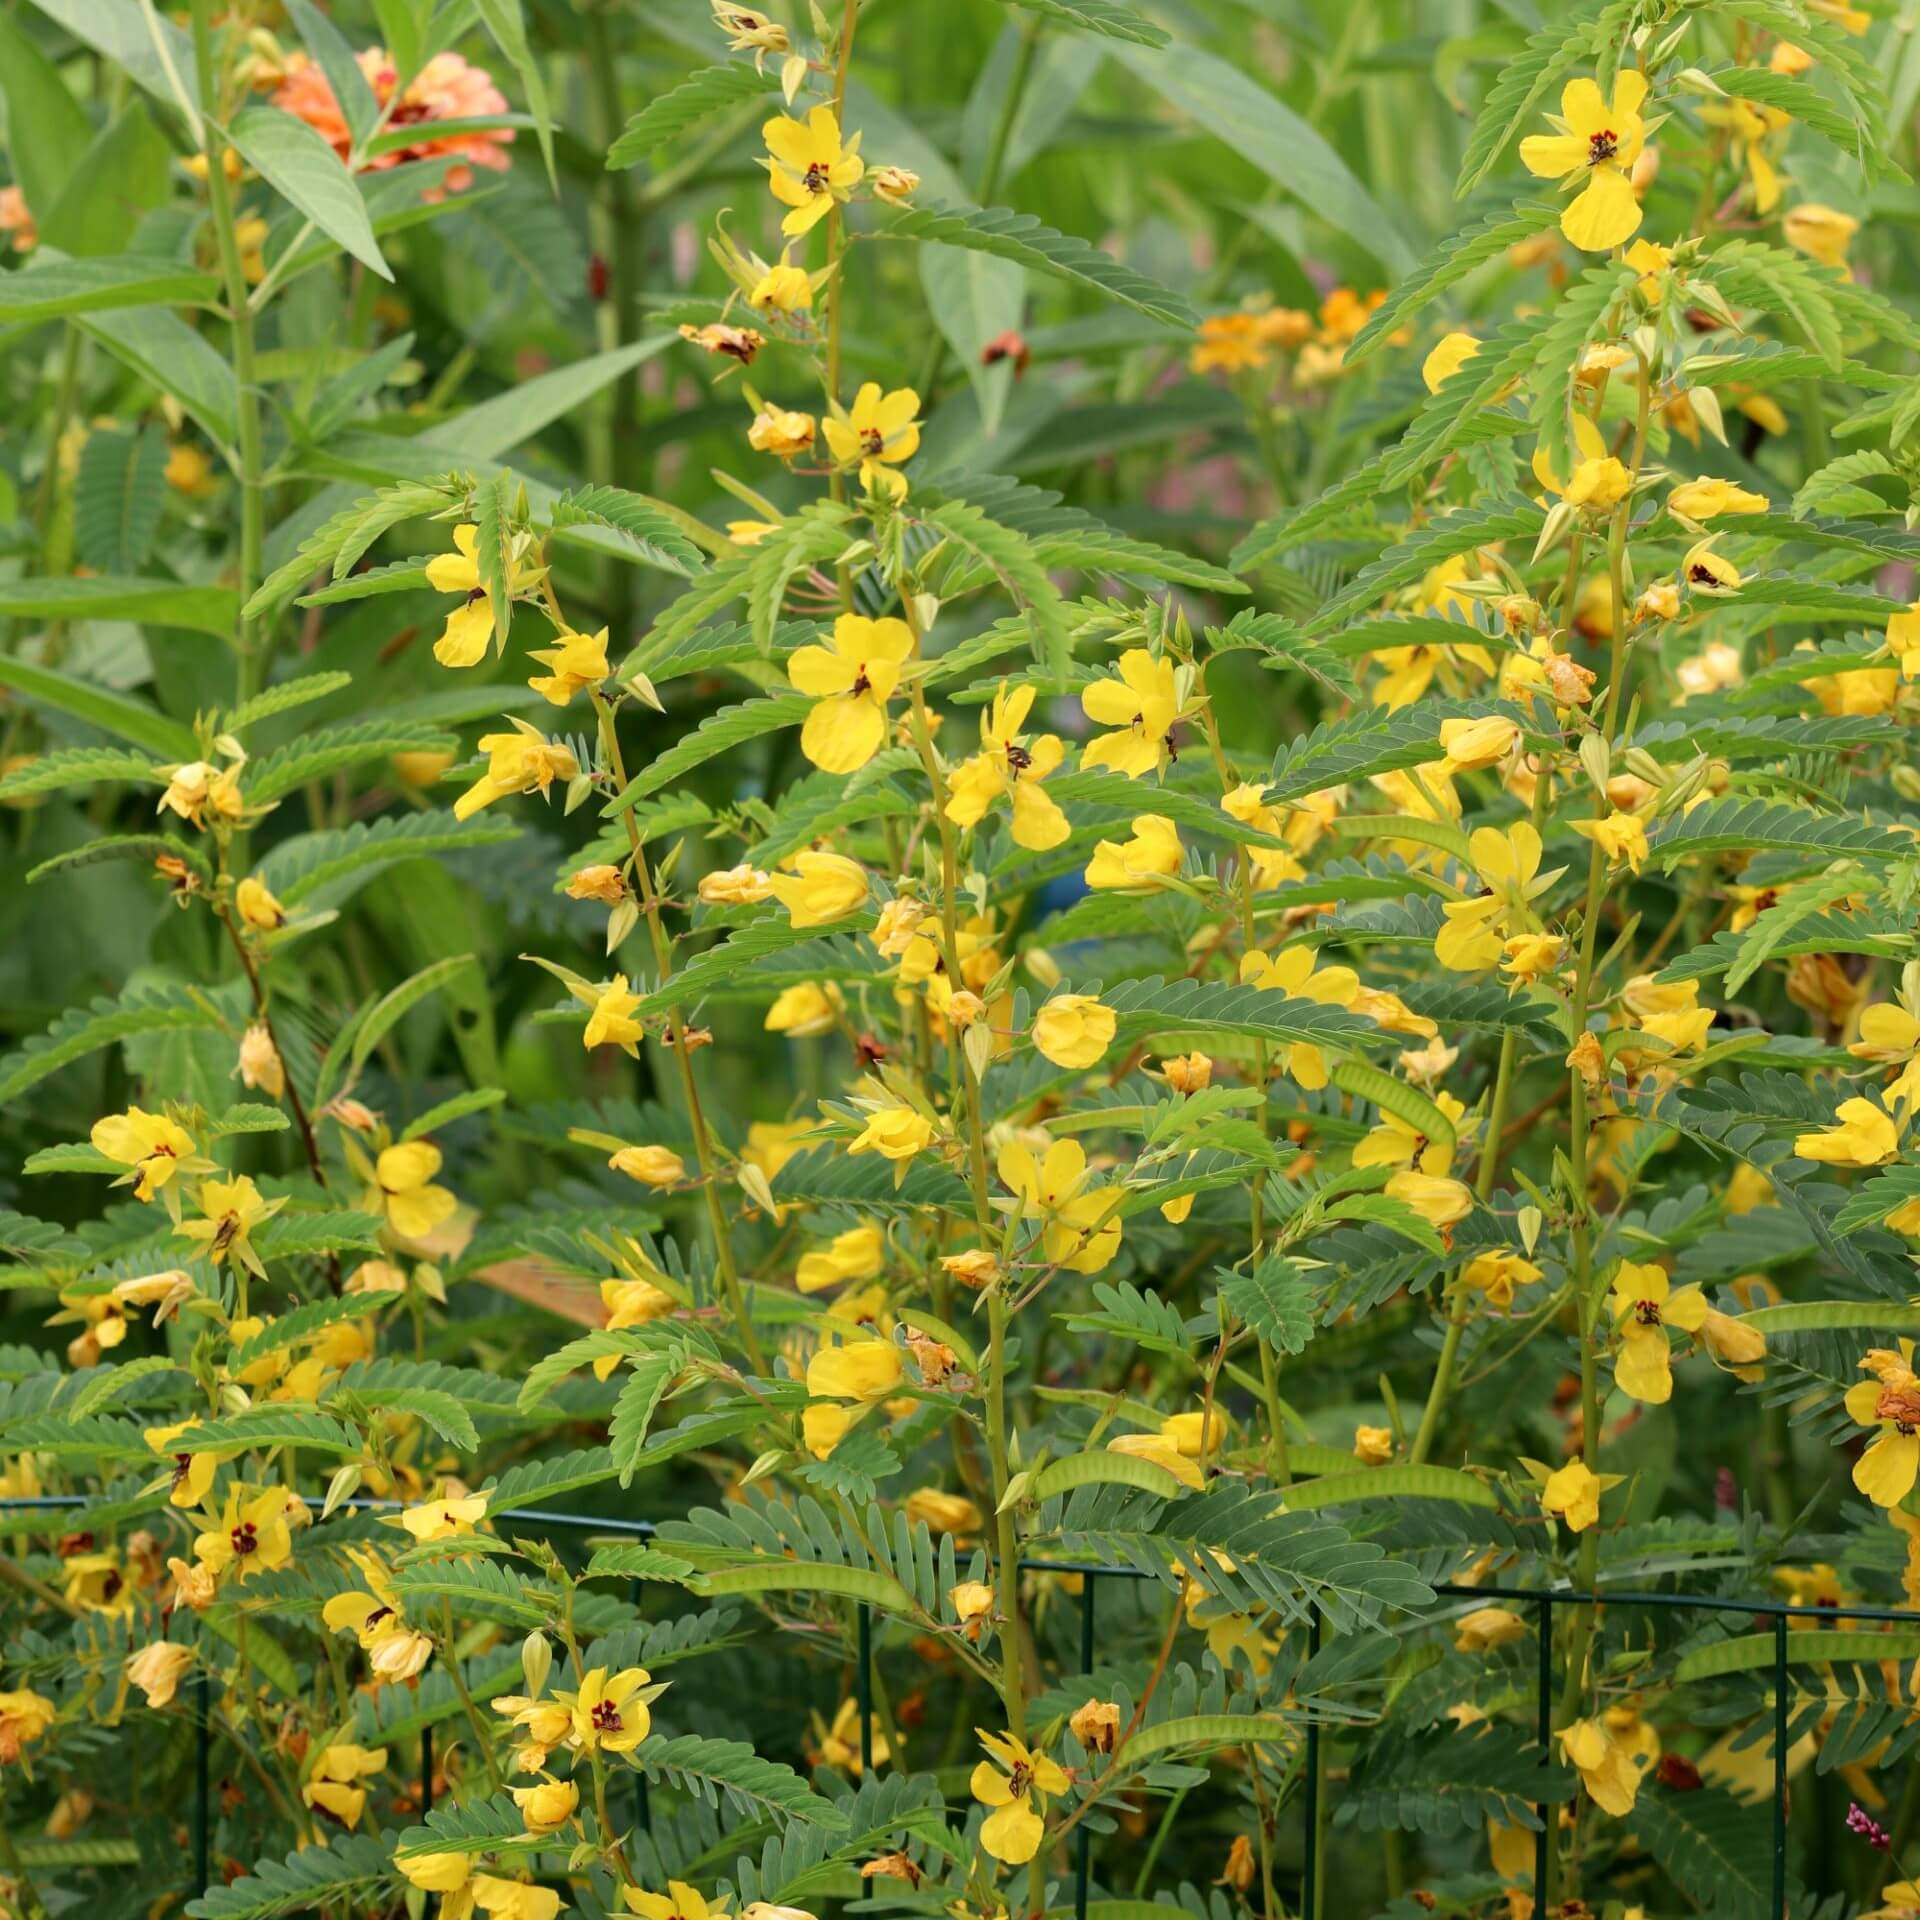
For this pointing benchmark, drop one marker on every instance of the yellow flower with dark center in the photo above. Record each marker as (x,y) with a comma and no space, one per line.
(96,1582)
(809,167)
(1645,1305)
(149,1145)
(192,1472)
(850,683)
(1141,707)
(609,1712)
(1889,1403)
(1013,1830)
(1594,148)
(1010,762)
(575,662)
(250,1536)
(231,1209)
(464,640)
(1080,1229)
(879,434)
(681,1902)
(402,1189)
(446,1518)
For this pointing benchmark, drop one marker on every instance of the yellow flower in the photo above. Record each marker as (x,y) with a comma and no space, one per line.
(611,1023)
(149,1144)
(1707,572)
(748,30)
(547,1806)
(1010,763)
(680,1902)
(809,168)
(1487,1628)
(741,886)
(1610,1759)
(197,789)
(942,1512)
(446,1518)
(1509,863)
(1622,837)
(463,642)
(1229,343)
(1373,1446)
(1013,1830)
(857,1254)
(804,1011)
(1498,1274)
(436,1872)
(1890,1402)
(1399,1143)
(1447,358)
(1079,1230)
(1440,1202)
(610,1713)
(1864,1136)
(779,431)
(1074,1030)
(825,1424)
(1572,1495)
(881,433)
(576,661)
(25,1717)
(895,1132)
(857,1370)
(332,1780)
(1752,128)
(1708,499)
(250,1536)
(1160,1452)
(1470,744)
(1136,865)
(1194,1434)
(412,1206)
(652,1166)
(820,888)
(783,288)
(850,684)
(192,1472)
(94,1581)
(513,1899)
(1643,1308)
(257,907)
(232,1209)
(157,1670)
(189,470)
(1294,972)
(1596,145)
(630,1303)
(1821,233)
(1599,480)
(523,761)
(1141,706)
(599,881)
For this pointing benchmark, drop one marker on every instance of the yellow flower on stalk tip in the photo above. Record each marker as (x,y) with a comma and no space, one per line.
(1013,1830)
(855,1370)
(463,641)
(1572,1496)
(1009,762)
(1498,1274)
(1595,148)
(575,662)
(1864,1136)
(149,1145)
(1074,1030)
(250,1535)
(895,1132)
(1611,1759)
(257,907)
(611,1022)
(1135,865)
(1141,707)
(1890,1402)
(819,888)
(881,433)
(1645,1305)
(1890,1035)
(1599,480)
(412,1206)
(523,761)
(1079,1230)
(1622,837)
(25,1717)
(809,167)
(1373,1446)
(332,1783)
(850,684)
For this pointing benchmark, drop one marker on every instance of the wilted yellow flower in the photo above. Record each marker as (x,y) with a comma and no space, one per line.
(523,761)
(1373,1446)
(782,432)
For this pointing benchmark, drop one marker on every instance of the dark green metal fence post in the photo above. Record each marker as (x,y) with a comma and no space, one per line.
(1779,1766)
(426,1764)
(863,1689)
(1543,1717)
(1081,1865)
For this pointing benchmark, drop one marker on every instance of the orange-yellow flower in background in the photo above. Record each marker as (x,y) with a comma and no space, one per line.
(1595,147)
(1752,128)
(880,432)
(820,888)
(850,683)
(1141,706)
(1010,762)
(1622,837)
(1645,1305)
(1135,865)
(1821,233)
(1074,1029)
(805,1010)
(25,1717)
(1013,1830)
(1229,343)
(856,1254)
(809,167)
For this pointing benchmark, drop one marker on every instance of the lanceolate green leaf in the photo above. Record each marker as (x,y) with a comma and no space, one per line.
(292,158)
(711,91)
